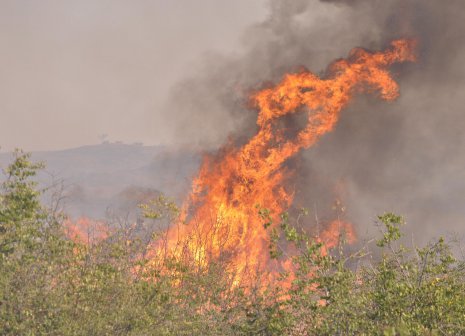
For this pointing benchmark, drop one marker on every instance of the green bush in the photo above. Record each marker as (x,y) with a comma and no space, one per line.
(50,285)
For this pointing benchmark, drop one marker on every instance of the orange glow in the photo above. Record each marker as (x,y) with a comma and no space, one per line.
(220,219)
(86,231)
(333,233)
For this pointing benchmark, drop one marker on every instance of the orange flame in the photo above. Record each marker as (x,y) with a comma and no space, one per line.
(332,234)
(224,221)
(86,231)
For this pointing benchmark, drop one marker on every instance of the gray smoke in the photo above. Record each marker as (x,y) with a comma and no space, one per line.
(405,156)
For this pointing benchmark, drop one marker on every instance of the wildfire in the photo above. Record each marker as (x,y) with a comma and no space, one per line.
(86,231)
(331,235)
(220,216)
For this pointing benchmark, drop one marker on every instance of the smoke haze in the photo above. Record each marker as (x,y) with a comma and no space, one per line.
(405,157)
(73,71)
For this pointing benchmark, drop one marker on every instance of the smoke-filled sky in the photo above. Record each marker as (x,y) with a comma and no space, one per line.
(407,156)
(71,71)
(180,72)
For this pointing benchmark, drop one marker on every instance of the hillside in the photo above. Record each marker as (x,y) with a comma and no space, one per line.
(114,176)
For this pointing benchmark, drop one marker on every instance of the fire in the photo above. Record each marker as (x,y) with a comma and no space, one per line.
(220,216)
(330,237)
(86,231)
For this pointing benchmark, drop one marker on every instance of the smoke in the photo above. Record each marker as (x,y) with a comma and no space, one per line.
(405,156)
(72,72)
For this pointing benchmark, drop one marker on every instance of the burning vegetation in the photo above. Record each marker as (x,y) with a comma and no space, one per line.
(220,219)
(220,268)
(86,231)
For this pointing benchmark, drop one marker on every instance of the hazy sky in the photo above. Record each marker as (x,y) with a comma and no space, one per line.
(181,70)
(71,71)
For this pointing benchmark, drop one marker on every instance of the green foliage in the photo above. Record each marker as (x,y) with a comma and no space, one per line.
(50,285)
(161,207)
(32,253)
(20,209)
(419,292)
(392,223)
